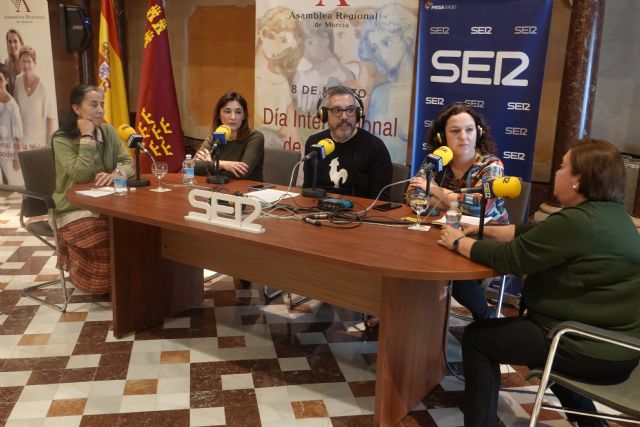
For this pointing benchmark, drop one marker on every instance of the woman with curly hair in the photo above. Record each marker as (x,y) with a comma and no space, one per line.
(465,132)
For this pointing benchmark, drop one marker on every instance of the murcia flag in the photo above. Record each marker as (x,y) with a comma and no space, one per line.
(110,75)
(158,118)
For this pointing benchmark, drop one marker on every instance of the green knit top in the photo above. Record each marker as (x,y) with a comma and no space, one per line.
(582,264)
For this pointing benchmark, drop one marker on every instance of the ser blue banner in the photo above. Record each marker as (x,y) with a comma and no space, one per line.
(489,54)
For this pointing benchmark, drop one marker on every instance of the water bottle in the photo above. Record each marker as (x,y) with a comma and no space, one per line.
(188,171)
(453,215)
(120,181)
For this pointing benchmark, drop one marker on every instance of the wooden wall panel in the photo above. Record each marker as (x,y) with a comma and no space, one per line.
(219,60)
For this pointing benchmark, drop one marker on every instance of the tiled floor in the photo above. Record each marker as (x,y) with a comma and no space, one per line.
(231,362)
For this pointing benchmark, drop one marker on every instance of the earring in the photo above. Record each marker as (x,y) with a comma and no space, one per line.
(574,186)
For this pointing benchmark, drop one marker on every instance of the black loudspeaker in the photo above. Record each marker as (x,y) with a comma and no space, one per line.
(76,28)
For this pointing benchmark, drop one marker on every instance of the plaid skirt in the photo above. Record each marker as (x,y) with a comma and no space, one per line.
(83,251)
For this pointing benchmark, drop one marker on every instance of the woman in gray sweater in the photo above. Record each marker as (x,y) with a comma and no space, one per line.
(242,156)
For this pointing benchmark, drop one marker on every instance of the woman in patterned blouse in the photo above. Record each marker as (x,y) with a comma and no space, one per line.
(465,132)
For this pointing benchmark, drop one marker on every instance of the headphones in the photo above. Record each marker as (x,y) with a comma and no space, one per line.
(442,140)
(322,112)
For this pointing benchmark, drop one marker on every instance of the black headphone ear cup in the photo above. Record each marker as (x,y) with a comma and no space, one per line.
(360,113)
(321,111)
(323,114)
(480,131)
(439,138)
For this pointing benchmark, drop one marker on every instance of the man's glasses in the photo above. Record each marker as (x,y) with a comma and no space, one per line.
(349,111)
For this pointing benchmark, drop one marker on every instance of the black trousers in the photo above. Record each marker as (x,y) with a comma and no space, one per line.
(520,341)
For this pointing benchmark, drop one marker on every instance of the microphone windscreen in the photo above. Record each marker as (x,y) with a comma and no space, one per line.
(226,130)
(328,145)
(125,131)
(508,186)
(445,154)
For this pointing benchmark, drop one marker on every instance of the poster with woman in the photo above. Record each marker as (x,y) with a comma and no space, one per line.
(27,57)
(305,47)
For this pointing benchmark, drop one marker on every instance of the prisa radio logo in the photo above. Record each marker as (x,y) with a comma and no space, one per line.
(19,3)
(340,3)
(430,6)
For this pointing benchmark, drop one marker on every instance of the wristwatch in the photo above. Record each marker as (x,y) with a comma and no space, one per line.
(456,242)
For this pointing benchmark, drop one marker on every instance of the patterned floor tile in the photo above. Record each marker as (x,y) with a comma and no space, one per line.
(233,361)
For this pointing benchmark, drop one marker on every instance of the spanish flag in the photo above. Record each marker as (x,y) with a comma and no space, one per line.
(158,117)
(110,75)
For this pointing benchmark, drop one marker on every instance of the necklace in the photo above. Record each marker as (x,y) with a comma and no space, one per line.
(30,87)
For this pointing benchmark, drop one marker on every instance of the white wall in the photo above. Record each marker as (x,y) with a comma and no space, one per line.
(616,115)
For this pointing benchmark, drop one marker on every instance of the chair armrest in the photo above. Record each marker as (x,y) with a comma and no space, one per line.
(596,333)
(46,198)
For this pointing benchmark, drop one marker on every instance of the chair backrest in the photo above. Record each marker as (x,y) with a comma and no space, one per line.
(400,172)
(278,164)
(39,173)
(518,208)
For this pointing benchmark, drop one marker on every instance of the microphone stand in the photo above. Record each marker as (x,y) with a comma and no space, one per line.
(217,178)
(483,207)
(137,182)
(428,187)
(313,191)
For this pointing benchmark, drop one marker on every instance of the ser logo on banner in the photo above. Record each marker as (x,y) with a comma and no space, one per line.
(525,29)
(501,73)
(489,55)
(481,30)
(513,155)
(432,100)
(510,130)
(444,31)
(519,106)
(474,103)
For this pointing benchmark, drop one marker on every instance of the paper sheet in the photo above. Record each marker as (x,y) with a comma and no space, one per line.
(270,195)
(96,192)
(466,219)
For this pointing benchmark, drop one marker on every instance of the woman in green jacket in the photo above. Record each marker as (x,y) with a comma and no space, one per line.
(86,150)
(582,264)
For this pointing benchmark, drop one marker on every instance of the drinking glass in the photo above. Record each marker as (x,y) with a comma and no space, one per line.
(159,169)
(419,205)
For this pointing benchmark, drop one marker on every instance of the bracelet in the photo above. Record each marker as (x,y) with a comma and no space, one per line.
(456,243)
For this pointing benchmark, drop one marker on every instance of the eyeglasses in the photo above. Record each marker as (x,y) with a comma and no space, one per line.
(337,111)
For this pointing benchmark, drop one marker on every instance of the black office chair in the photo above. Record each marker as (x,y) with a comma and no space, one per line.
(278,165)
(37,213)
(400,172)
(623,397)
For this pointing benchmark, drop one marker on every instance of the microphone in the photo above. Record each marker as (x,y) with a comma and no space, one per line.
(507,186)
(440,158)
(322,149)
(218,138)
(129,136)
(132,139)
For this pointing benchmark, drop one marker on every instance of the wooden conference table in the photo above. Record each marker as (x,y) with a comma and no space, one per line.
(399,275)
